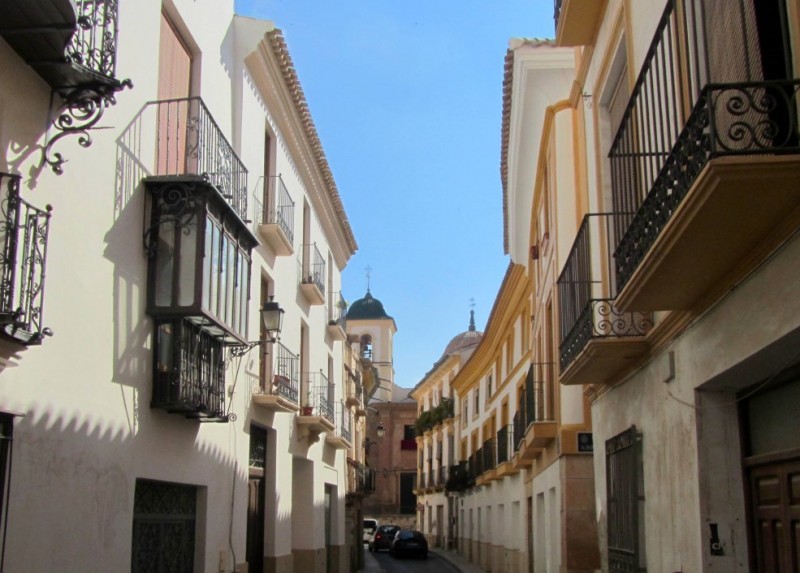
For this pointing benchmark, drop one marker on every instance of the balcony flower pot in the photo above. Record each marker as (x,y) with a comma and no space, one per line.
(308,410)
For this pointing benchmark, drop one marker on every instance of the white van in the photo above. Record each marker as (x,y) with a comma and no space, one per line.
(370,525)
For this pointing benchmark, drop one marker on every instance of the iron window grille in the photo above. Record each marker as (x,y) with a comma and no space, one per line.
(504,444)
(164,516)
(625,500)
(24,231)
(344,422)
(189,372)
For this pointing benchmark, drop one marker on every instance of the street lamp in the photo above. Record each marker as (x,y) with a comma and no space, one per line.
(272,318)
(380,430)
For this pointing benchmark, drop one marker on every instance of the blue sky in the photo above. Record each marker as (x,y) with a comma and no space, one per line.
(407,99)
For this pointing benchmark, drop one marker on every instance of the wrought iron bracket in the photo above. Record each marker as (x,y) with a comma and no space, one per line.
(80,110)
(179,205)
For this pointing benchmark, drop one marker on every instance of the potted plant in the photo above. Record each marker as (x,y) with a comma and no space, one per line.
(308,407)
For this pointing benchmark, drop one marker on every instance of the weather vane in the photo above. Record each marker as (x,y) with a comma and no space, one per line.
(472,303)
(369,274)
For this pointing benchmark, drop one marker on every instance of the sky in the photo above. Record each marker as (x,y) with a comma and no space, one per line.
(406,96)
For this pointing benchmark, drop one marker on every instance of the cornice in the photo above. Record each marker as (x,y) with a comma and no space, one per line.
(273,72)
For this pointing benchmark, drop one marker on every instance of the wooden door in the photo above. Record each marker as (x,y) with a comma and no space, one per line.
(255,523)
(775,502)
(174,85)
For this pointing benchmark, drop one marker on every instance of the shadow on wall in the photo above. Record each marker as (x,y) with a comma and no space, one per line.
(124,249)
(73,479)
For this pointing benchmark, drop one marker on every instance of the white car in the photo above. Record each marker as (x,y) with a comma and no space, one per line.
(370,525)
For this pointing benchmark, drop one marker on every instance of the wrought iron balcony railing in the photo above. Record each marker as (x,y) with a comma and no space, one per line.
(286,379)
(702,93)
(489,455)
(72,45)
(338,310)
(280,207)
(459,477)
(190,143)
(505,445)
(312,267)
(24,232)
(319,395)
(360,478)
(587,309)
(519,429)
(344,422)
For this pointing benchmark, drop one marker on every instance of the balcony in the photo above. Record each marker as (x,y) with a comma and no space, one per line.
(360,478)
(505,451)
(191,150)
(577,21)
(311,275)
(275,216)
(281,395)
(23,236)
(487,462)
(317,411)
(336,318)
(459,478)
(355,392)
(72,45)
(707,161)
(598,340)
(342,437)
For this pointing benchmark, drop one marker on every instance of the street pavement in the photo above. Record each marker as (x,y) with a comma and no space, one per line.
(373,565)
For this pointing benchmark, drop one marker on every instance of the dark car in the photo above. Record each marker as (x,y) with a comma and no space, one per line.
(383,536)
(409,542)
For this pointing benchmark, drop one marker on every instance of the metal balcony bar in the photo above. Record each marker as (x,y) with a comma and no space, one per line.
(23,259)
(286,380)
(280,209)
(586,290)
(94,43)
(689,105)
(189,142)
(344,422)
(504,444)
(519,428)
(319,395)
(338,309)
(557,11)
(312,267)
(489,458)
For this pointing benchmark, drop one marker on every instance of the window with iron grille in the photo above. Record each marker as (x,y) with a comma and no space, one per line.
(189,371)
(625,500)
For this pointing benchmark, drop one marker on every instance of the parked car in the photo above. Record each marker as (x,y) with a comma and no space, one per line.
(383,537)
(370,525)
(409,542)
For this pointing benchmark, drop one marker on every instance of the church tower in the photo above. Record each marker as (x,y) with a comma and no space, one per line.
(374,330)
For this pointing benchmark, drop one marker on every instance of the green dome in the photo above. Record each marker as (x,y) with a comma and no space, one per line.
(367,308)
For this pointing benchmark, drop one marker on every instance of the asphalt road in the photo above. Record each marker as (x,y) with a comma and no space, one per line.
(384,563)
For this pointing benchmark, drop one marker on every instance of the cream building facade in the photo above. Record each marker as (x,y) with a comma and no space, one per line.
(437,439)
(154,422)
(660,205)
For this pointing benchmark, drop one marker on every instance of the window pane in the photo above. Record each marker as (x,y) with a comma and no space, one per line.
(186,263)
(207,264)
(164,264)
(212,290)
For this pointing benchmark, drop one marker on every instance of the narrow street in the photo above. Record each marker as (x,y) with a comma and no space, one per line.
(382,562)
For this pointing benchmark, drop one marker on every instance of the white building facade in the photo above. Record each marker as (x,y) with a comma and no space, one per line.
(155,422)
